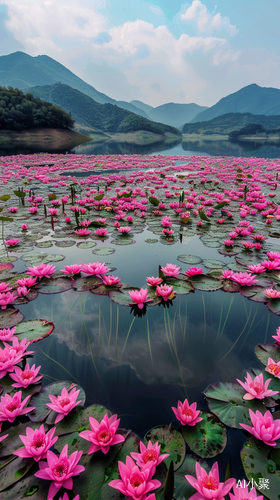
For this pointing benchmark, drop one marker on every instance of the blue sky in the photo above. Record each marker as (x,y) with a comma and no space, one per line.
(157,52)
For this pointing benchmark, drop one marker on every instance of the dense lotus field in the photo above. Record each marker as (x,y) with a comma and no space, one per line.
(52,445)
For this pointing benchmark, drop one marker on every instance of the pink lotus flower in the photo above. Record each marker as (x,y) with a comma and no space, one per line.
(258,246)
(19,346)
(256,388)
(4,287)
(101,231)
(277,337)
(258,237)
(13,209)
(271,264)
(139,297)
(52,211)
(85,223)
(117,224)
(167,232)
(27,282)
(36,443)
(264,427)
(124,230)
(272,294)
(64,403)
(165,291)
(12,242)
(67,219)
(24,227)
(110,280)
(149,455)
(26,377)
(22,291)
(33,210)
(242,493)
(41,270)
(72,269)
(273,368)
(8,359)
(244,279)
(134,483)
(153,281)
(60,470)
(165,222)
(273,255)
(228,243)
(227,274)
(65,497)
(6,298)
(95,268)
(103,434)
(192,271)
(82,232)
(256,268)
(208,486)
(12,407)
(171,270)
(7,333)
(187,414)
(248,244)
(102,220)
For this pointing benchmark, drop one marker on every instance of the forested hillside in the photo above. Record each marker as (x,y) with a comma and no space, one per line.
(21,111)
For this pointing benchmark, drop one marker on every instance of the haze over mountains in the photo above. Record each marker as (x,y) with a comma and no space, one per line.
(42,75)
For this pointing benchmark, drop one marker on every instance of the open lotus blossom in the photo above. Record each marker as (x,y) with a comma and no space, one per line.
(103,434)
(277,336)
(124,229)
(7,333)
(8,359)
(208,486)
(83,232)
(272,294)
(85,223)
(273,255)
(36,443)
(13,209)
(228,243)
(60,470)
(271,264)
(12,242)
(6,298)
(52,211)
(4,287)
(64,403)
(150,454)
(42,270)
(110,280)
(167,232)
(95,268)
(165,291)
(72,269)
(227,274)
(258,237)
(165,222)
(248,245)
(273,368)
(135,483)
(244,279)
(26,377)
(27,282)
(11,407)
(171,270)
(19,346)
(33,210)
(139,297)
(256,388)
(241,492)
(187,414)
(101,231)
(256,268)
(192,271)
(22,291)
(264,427)
(102,220)
(153,281)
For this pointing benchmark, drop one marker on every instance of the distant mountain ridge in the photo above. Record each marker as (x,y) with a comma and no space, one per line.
(231,122)
(100,117)
(171,113)
(251,99)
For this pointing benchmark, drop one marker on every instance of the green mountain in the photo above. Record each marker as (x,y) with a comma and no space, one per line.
(170,113)
(20,111)
(251,99)
(101,117)
(230,122)
(23,71)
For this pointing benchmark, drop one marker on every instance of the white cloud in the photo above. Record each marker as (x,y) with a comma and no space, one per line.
(206,21)
(156,10)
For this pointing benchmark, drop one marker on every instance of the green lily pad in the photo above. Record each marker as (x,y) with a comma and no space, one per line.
(230,286)
(85,284)
(265,351)
(183,488)
(213,243)
(54,285)
(255,293)
(121,298)
(171,441)
(274,306)
(44,244)
(4,260)
(151,240)
(208,437)
(78,419)
(205,283)
(213,264)
(103,251)
(181,287)
(29,485)
(42,411)
(230,252)
(54,258)
(33,294)
(14,471)
(86,244)
(262,461)
(189,259)
(123,241)
(65,244)
(10,317)
(34,329)
(225,400)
